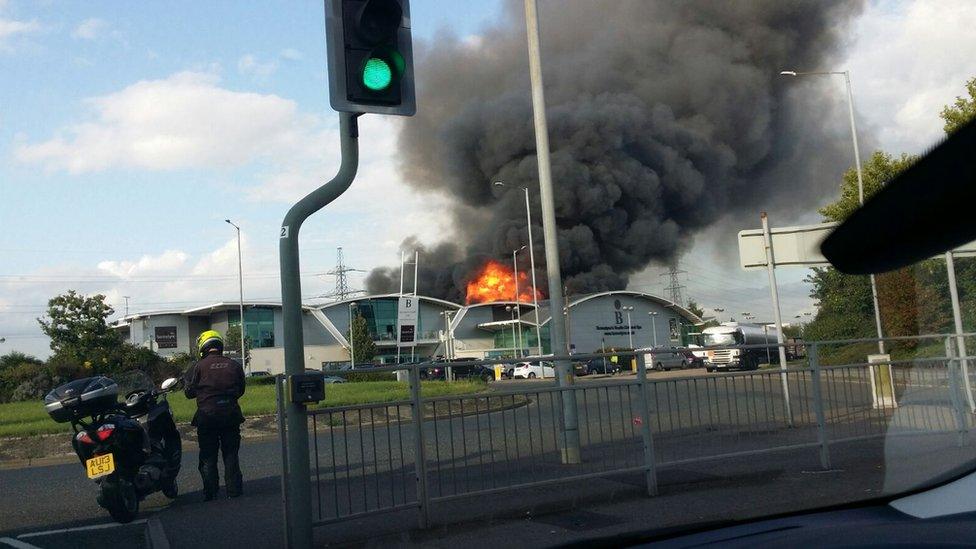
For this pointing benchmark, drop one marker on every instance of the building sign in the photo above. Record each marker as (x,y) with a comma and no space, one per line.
(165,337)
(407,321)
(674,330)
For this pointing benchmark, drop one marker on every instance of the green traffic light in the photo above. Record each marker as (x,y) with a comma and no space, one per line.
(377,74)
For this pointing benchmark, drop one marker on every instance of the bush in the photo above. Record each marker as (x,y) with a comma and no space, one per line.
(29,381)
(16,358)
(261,380)
(366,376)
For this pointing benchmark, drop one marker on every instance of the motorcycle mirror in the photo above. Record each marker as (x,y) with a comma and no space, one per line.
(169,383)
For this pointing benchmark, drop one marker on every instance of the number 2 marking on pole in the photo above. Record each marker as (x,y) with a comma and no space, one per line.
(284,231)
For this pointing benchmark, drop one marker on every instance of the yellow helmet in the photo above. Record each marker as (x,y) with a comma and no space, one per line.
(209,340)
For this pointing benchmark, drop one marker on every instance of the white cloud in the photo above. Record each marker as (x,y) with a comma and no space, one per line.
(12,28)
(183,121)
(291,54)
(90,28)
(168,261)
(249,65)
(909,60)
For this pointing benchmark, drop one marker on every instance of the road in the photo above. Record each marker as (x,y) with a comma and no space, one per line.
(465,452)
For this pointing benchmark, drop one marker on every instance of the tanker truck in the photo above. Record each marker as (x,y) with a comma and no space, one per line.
(733,335)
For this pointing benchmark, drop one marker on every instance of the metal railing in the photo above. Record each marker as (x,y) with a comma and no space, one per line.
(410,454)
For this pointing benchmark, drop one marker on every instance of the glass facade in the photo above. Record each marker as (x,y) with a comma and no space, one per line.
(503,339)
(258,325)
(381,320)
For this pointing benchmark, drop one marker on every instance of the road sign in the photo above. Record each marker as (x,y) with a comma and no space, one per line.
(407,321)
(799,246)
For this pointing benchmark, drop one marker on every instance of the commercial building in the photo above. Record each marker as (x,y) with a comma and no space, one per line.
(608,320)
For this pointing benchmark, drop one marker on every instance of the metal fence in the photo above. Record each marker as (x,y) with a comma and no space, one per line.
(410,454)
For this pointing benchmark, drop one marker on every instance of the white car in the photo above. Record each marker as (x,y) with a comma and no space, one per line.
(532,370)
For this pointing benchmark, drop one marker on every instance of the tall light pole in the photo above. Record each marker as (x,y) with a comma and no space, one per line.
(630,326)
(240,286)
(511,310)
(653,315)
(517,300)
(535,291)
(352,338)
(860,180)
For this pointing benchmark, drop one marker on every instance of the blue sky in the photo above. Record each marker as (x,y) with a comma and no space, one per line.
(129,131)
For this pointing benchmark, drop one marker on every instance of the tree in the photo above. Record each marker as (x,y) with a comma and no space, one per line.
(16,358)
(962,111)
(695,309)
(76,325)
(362,341)
(232,340)
(880,168)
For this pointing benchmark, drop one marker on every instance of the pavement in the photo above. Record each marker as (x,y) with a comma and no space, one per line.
(54,505)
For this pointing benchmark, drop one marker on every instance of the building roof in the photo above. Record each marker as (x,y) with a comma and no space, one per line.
(546,315)
(200,310)
(443,302)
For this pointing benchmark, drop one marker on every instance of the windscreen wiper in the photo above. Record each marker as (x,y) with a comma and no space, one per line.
(924,211)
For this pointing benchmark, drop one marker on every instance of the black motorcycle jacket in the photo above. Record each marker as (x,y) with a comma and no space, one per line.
(216,382)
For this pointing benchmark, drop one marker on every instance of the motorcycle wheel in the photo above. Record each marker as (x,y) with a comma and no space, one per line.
(121,501)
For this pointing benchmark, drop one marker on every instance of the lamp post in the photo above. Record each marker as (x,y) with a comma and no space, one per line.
(511,310)
(653,315)
(535,292)
(240,286)
(352,338)
(630,328)
(860,179)
(517,300)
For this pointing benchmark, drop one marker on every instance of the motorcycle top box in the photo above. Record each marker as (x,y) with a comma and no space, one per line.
(81,398)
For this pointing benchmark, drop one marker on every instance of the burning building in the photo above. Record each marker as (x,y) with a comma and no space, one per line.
(666,119)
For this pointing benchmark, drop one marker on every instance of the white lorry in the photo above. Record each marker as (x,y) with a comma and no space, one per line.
(733,335)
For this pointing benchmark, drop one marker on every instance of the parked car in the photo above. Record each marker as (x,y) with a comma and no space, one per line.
(580,369)
(532,370)
(333,379)
(664,359)
(259,373)
(602,366)
(461,368)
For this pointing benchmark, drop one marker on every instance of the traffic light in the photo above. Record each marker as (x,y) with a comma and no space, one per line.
(370,56)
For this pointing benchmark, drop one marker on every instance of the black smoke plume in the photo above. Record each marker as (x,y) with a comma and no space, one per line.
(664,117)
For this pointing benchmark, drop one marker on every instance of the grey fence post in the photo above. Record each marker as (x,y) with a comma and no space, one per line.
(420,456)
(818,406)
(952,367)
(280,412)
(650,472)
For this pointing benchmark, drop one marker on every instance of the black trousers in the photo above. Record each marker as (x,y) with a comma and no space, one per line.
(226,439)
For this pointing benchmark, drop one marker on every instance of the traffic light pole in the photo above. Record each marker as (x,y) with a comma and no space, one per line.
(299,495)
(557,331)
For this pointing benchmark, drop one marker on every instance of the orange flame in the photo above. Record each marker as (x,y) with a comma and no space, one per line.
(496,282)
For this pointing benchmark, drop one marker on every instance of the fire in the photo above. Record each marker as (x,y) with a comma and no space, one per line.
(496,282)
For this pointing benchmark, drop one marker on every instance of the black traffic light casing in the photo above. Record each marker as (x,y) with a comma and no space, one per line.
(358,31)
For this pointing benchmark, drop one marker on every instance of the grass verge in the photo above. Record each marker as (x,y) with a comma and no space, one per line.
(29,418)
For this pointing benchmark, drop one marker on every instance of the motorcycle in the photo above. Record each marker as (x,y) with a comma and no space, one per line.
(130,449)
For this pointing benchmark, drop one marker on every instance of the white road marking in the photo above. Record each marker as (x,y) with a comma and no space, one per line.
(17,544)
(157,536)
(80,529)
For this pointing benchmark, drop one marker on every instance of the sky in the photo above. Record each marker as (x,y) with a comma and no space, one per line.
(130,131)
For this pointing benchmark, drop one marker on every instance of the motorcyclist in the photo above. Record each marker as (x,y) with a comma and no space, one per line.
(216,382)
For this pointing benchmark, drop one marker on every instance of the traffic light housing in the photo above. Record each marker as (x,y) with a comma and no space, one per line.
(370,56)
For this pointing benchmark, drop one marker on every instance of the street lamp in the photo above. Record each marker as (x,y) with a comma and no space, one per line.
(630,328)
(511,310)
(240,285)
(535,293)
(517,300)
(860,179)
(352,338)
(653,315)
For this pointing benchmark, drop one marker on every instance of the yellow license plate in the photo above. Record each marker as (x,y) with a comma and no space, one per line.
(99,466)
